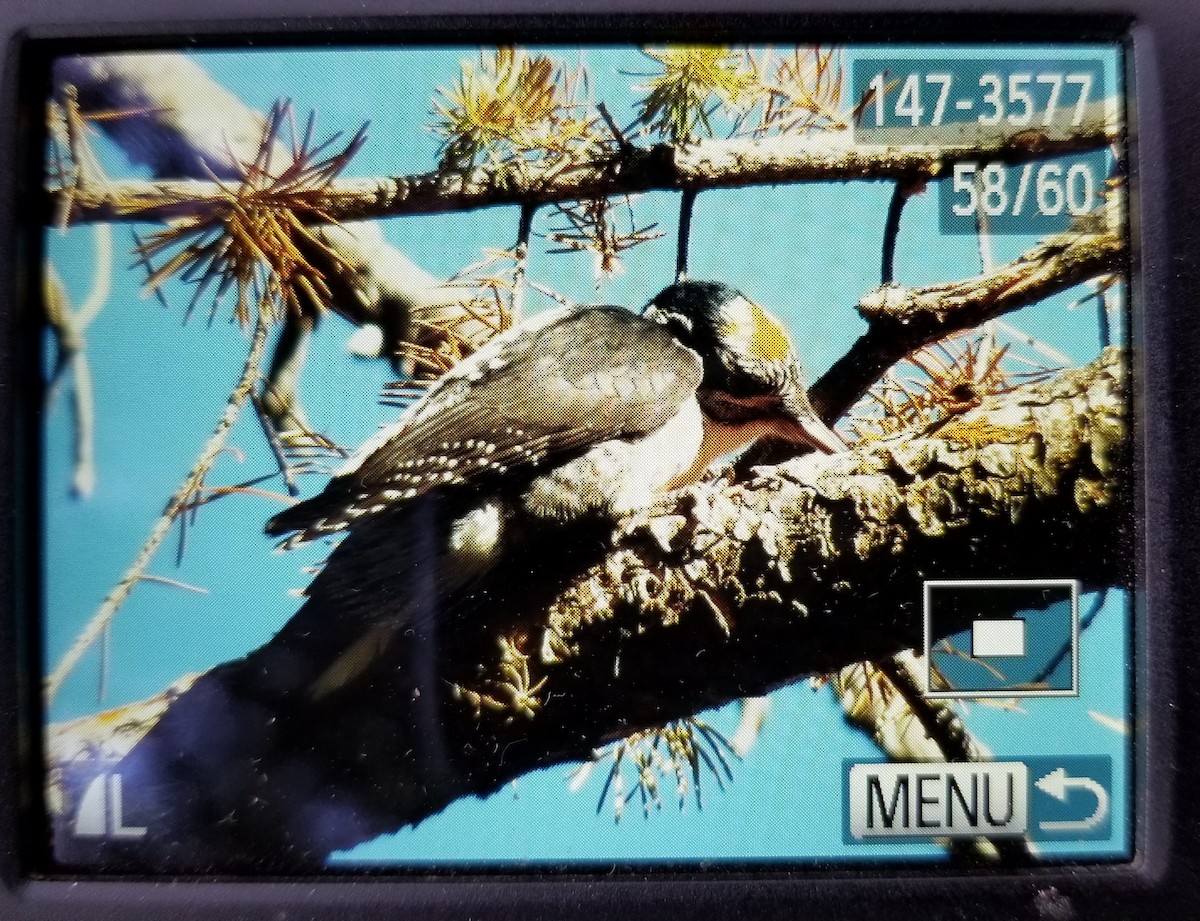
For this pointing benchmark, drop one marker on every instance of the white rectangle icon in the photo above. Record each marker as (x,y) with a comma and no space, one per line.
(998,638)
(907,800)
(935,689)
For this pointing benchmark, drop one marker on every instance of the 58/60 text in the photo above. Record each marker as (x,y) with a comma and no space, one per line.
(1041,189)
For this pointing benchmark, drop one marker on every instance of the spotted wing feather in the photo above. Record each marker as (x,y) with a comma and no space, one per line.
(528,400)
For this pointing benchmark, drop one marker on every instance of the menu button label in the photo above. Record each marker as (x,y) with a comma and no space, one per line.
(898,800)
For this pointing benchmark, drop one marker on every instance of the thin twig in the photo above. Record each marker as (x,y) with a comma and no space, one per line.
(686,205)
(521,269)
(101,277)
(987,264)
(891,231)
(174,583)
(617,133)
(69,327)
(1101,296)
(177,504)
(105,663)
(1036,344)
(219,492)
(560,299)
(276,445)
(83,480)
(1064,650)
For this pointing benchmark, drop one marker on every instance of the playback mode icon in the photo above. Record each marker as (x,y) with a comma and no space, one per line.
(1001,638)
(1071,797)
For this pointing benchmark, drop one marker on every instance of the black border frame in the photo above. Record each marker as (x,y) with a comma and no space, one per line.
(1163,881)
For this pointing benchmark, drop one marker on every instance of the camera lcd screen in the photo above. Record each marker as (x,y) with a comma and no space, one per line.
(369,542)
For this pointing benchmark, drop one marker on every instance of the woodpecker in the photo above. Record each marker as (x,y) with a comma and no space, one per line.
(574,415)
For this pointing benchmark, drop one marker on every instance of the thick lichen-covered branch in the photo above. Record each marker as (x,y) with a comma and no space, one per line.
(812,536)
(723,590)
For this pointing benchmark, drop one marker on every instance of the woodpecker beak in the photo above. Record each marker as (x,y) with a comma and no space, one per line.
(799,424)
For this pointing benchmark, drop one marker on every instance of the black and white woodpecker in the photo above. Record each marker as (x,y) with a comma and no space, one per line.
(574,415)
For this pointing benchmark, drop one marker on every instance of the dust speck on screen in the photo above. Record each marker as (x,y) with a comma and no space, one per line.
(494,458)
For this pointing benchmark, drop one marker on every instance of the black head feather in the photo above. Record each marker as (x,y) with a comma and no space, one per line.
(745,350)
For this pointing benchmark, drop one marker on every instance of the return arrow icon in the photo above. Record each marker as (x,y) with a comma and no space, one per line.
(1058,784)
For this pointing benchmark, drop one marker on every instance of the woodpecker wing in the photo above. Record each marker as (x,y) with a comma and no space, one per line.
(532,397)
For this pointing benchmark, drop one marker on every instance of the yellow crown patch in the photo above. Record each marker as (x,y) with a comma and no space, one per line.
(769,340)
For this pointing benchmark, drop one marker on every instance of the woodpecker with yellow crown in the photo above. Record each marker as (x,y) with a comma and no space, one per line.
(574,416)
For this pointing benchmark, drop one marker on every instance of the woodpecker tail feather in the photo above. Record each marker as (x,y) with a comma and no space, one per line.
(393,572)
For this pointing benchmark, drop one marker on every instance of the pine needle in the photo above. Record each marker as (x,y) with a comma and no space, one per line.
(255,236)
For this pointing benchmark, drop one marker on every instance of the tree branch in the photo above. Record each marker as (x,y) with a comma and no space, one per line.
(904,319)
(718,592)
(829,156)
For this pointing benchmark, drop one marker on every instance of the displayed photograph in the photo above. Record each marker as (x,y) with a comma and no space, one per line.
(479,458)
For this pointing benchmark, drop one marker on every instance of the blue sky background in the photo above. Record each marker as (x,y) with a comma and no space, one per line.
(806,252)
